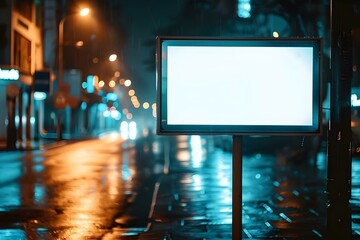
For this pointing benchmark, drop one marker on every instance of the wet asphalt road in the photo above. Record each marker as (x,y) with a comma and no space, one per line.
(76,191)
(178,188)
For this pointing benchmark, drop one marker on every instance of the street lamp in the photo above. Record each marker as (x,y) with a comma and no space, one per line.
(83,12)
(60,100)
(112,57)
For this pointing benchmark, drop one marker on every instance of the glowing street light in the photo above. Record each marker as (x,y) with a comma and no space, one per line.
(79,43)
(146,105)
(101,84)
(83,12)
(117,74)
(131,92)
(60,101)
(112,57)
(127,83)
(112,84)
(275,34)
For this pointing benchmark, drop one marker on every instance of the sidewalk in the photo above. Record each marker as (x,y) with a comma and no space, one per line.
(50,140)
(30,145)
(281,199)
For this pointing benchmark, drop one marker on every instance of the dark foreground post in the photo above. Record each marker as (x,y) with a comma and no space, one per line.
(12,93)
(237,188)
(339,143)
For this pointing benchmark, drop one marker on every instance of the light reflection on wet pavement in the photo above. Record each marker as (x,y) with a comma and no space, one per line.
(282,198)
(69,192)
(96,190)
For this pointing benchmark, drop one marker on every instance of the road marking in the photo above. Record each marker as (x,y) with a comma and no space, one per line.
(285,217)
(317,233)
(153,203)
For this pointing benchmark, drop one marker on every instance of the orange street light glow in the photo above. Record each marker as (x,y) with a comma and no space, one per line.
(127,83)
(146,105)
(84,12)
(112,57)
(79,43)
(112,84)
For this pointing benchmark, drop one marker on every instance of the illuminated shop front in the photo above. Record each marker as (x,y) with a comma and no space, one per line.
(21,54)
(16,87)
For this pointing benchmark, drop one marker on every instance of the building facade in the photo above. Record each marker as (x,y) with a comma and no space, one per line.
(21,54)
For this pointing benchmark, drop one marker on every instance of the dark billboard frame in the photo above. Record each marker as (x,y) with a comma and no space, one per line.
(312,127)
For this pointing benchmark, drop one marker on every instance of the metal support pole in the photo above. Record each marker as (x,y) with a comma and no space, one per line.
(60,73)
(237,188)
(28,114)
(11,128)
(12,93)
(59,125)
(60,51)
(20,114)
(339,143)
(60,96)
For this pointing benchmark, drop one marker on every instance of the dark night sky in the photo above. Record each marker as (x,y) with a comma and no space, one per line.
(139,22)
(140,19)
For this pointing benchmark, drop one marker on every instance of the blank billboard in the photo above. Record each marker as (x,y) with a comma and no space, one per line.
(238,86)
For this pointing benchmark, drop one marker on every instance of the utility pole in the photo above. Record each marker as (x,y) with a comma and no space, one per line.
(339,143)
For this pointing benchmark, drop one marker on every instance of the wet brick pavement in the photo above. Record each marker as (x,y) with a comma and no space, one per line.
(282,197)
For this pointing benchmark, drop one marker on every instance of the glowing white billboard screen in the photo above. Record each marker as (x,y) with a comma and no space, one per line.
(238,86)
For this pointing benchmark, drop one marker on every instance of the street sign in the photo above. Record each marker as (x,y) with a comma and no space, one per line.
(12,90)
(42,81)
(60,101)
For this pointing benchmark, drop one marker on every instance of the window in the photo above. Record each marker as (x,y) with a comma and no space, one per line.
(22,53)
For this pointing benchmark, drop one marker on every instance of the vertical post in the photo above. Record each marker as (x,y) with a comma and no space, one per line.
(59,125)
(60,51)
(12,92)
(339,143)
(41,118)
(28,114)
(11,128)
(60,73)
(237,188)
(37,119)
(83,12)
(20,113)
